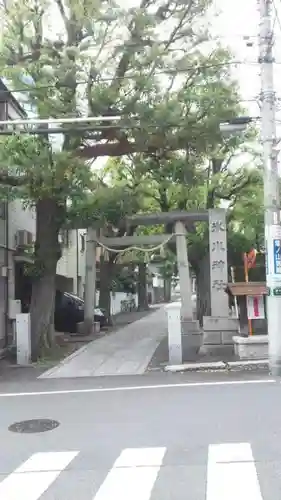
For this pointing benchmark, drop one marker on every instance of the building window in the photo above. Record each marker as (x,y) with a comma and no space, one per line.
(82,243)
(2,210)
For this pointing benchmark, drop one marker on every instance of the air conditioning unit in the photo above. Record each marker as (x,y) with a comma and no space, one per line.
(23,238)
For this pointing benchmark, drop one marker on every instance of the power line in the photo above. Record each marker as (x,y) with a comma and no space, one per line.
(92,128)
(168,72)
(98,128)
(86,128)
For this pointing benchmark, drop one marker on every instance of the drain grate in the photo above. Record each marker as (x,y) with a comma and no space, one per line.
(34,426)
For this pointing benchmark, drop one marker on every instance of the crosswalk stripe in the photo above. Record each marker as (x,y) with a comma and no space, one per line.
(232,473)
(35,475)
(133,475)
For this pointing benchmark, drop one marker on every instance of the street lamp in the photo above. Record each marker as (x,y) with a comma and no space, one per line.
(236,125)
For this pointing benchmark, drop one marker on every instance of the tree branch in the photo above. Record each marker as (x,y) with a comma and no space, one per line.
(129,50)
(126,147)
(62,13)
(234,190)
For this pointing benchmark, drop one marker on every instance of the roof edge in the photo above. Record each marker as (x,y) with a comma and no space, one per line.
(12,99)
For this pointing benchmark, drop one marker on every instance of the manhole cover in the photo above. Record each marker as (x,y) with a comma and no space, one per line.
(33,426)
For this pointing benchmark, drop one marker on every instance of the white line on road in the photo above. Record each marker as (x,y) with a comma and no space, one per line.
(135,388)
(35,475)
(232,473)
(133,475)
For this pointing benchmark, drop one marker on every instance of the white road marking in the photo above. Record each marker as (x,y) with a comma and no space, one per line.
(35,475)
(136,388)
(133,475)
(232,473)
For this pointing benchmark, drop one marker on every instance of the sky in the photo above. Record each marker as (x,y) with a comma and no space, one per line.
(240,18)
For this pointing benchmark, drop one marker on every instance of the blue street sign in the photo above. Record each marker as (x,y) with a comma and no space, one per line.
(277,256)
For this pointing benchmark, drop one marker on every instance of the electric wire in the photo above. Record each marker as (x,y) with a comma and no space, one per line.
(169,72)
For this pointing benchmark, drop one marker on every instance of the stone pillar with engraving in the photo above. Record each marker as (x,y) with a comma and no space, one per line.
(218,262)
(219,328)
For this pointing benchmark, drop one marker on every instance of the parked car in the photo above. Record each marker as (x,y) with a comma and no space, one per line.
(69,311)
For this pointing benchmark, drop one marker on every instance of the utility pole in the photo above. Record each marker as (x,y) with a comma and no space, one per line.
(271,188)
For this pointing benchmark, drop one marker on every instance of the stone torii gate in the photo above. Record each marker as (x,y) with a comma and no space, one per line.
(178,220)
(219,327)
(94,240)
(218,253)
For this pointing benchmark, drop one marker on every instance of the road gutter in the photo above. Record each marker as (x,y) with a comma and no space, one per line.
(217,365)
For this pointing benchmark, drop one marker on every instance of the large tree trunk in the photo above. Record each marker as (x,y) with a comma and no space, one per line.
(203,288)
(106,274)
(142,295)
(167,289)
(47,253)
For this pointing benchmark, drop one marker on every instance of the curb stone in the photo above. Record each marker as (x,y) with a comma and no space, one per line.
(216,365)
(63,362)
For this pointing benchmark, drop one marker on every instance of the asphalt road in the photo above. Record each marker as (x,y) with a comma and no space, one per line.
(158,437)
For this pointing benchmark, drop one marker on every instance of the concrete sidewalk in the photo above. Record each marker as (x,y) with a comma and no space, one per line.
(125,352)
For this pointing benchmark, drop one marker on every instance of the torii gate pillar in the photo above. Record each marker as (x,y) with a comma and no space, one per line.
(184,274)
(189,338)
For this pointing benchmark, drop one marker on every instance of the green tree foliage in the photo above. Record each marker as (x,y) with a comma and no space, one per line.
(46,180)
(174,184)
(106,208)
(152,62)
(246,217)
(96,58)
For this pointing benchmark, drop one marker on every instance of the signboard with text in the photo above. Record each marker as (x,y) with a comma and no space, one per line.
(273,260)
(277,256)
(255,307)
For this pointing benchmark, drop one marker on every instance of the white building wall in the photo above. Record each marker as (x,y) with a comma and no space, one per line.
(117,299)
(19,218)
(72,263)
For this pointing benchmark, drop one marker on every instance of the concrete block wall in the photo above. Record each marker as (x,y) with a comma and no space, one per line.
(116,299)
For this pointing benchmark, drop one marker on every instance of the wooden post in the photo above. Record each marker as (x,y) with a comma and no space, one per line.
(235,299)
(246,273)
